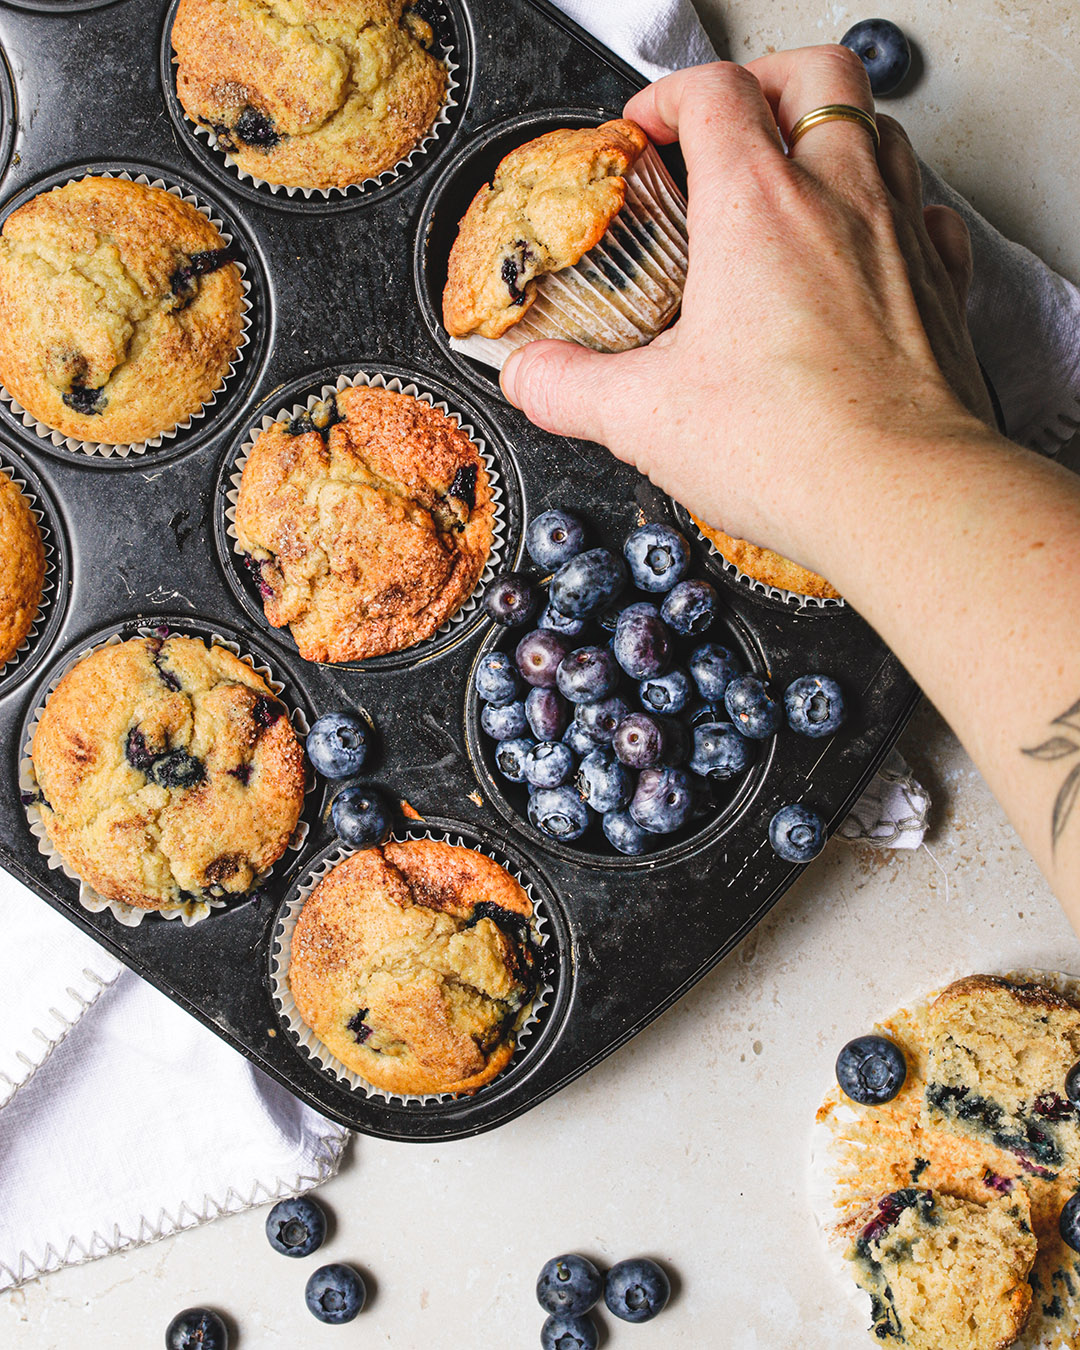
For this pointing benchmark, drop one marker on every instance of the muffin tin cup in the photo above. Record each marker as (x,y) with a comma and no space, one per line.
(136,449)
(191,911)
(376,379)
(17,664)
(307,1039)
(624,291)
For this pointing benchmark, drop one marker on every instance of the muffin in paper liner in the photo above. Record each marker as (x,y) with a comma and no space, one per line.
(859,1153)
(191,911)
(624,291)
(308,1040)
(48,589)
(107,450)
(378,380)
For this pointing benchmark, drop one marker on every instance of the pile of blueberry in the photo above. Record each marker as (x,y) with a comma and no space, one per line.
(570,1286)
(334,1293)
(613,708)
(338,746)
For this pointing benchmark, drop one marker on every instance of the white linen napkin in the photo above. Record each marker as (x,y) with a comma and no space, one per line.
(90,1051)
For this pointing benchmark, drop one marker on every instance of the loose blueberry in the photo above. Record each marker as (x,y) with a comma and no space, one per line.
(625,834)
(587,674)
(197,1329)
(588,582)
(752,709)
(338,744)
(603,782)
(553,538)
(296,1227)
(569,1284)
(561,623)
(642,642)
(549,764)
(361,816)
(335,1294)
(814,705)
(639,741)
(871,1070)
(510,758)
(691,608)
(559,812)
(601,718)
(496,678)
(658,557)
(1069,1223)
(663,801)
(504,721)
(712,668)
(177,769)
(538,656)
(1072,1084)
(796,833)
(512,600)
(884,51)
(720,751)
(568,1333)
(636,1290)
(667,693)
(547,714)
(580,739)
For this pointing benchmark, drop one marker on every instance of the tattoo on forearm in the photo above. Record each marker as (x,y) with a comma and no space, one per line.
(1057,747)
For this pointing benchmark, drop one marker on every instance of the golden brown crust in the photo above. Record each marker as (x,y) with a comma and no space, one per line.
(764,565)
(401,964)
(363,546)
(309,93)
(22,568)
(549,203)
(167,769)
(100,303)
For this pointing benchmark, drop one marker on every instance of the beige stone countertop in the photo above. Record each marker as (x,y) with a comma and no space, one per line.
(690,1144)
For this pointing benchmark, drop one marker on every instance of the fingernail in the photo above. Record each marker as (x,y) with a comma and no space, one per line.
(508,378)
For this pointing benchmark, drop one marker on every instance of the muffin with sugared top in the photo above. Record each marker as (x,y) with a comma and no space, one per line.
(22,568)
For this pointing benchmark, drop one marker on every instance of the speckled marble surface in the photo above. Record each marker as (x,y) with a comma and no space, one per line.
(690,1144)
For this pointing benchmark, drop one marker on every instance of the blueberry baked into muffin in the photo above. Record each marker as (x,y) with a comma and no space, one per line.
(22,568)
(167,771)
(413,963)
(766,566)
(120,310)
(369,522)
(309,93)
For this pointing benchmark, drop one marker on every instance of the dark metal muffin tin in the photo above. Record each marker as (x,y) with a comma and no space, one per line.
(337,286)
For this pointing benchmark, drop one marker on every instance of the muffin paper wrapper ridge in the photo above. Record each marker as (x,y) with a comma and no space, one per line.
(392,383)
(624,291)
(308,1040)
(191,911)
(48,589)
(105,449)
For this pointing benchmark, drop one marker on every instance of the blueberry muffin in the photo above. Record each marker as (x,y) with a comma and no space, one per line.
(945,1272)
(309,93)
(369,522)
(22,568)
(120,311)
(413,964)
(167,771)
(764,565)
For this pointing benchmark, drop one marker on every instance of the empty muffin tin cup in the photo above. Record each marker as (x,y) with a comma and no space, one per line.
(105,449)
(308,1041)
(624,291)
(190,911)
(48,590)
(379,380)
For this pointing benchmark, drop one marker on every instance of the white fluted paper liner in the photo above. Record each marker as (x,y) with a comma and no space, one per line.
(308,1039)
(831,1157)
(623,291)
(102,448)
(392,383)
(191,911)
(49,584)
(382,179)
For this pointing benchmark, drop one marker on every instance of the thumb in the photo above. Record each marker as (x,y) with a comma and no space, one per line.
(571,390)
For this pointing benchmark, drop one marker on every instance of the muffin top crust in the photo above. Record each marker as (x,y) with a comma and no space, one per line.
(167,770)
(549,203)
(370,521)
(309,93)
(120,310)
(764,565)
(412,963)
(22,568)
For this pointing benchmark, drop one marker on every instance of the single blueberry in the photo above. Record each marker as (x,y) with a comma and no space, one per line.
(510,757)
(625,834)
(559,812)
(496,679)
(588,582)
(814,705)
(361,816)
(538,656)
(296,1227)
(338,743)
(553,538)
(549,764)
(691,608)
(86,402)
(254,128)
(639,741)
(642,642)
(752,709)
(580,739)
(636,1290)
(561,623)
(504,721)
(512,600)
(137,752)
(796,833)
(335,1294)
(884,51)
(712,669)
(547,714)
(663,800)
(658,557)
(1069,1223)
(871,1070)
(601,718)
(464,485)
(720,751)
(587,674)
(603,781)
(568,1333)
(569,1284)
(667,693)
(196,1329)
(177,769)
